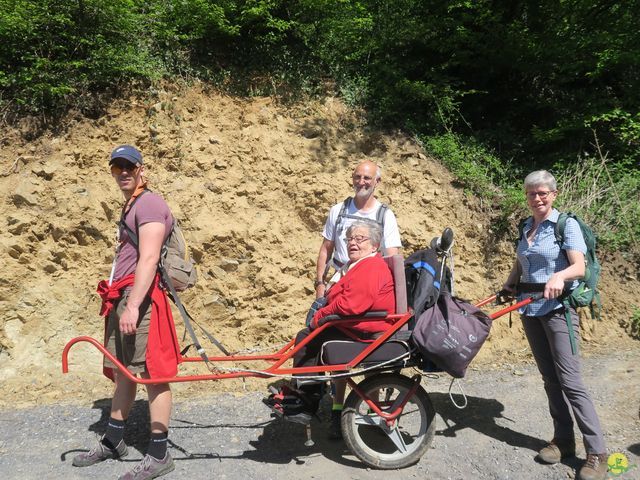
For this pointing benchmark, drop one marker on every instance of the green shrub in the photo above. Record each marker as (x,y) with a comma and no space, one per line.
(478,169)
(633,326)
(53,52)
(608,199)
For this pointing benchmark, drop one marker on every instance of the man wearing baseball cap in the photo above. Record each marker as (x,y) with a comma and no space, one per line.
(126,152)
(140,331)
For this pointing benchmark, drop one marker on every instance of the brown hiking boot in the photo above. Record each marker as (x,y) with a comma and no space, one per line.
(595,468)
(557,450)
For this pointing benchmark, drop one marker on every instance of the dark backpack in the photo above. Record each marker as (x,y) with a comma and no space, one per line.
(425,280)
(180,268)
(586,294)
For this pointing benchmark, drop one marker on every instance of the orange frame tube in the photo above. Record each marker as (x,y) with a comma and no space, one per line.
(280,357)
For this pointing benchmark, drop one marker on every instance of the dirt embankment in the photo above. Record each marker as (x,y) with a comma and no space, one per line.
(251,182)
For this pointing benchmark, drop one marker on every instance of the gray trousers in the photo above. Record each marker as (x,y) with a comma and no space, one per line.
(548,337)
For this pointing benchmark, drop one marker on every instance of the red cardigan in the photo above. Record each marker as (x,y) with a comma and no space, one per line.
(163,349)
(367,286)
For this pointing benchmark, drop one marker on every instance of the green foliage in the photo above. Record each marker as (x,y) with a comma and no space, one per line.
(475,167)
(531,78)
(57,54)
(633,326)
(606,196)
(52,50)
(479,81)
(483,173)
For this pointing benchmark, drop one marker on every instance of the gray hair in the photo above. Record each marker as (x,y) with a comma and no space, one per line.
(540,177)
(375,231)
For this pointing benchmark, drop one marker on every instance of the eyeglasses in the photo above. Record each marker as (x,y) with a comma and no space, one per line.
(542,195)
(366,178)
(118,168)
(358,239)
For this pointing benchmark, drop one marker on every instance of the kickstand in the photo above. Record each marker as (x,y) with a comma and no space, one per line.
(309,442)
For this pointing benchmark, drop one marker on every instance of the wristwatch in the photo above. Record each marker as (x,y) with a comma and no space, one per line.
(317,283)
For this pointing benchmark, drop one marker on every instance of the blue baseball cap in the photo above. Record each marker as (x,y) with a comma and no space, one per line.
(126,152)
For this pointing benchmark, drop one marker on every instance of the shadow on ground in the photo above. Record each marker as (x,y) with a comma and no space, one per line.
(282,442)
(482,415)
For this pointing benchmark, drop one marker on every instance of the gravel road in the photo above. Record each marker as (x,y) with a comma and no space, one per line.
(234,437)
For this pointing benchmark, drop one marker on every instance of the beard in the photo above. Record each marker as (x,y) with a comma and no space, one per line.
(363,193)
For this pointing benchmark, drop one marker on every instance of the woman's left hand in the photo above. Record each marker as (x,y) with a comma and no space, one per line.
(554,287)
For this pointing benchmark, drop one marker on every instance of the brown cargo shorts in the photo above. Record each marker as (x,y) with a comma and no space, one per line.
(130,350)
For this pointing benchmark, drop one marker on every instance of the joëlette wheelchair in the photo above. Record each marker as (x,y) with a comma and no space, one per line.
(388,421)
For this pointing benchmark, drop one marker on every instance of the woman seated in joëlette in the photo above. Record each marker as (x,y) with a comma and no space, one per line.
(363,284)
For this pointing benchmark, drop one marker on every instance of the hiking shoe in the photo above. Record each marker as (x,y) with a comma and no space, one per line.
(595,468)
(288,413)
(335,426)
(557,450)
(150,467)
(289,402)
(100,453)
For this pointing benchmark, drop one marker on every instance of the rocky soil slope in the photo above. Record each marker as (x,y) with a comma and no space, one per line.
(251,182)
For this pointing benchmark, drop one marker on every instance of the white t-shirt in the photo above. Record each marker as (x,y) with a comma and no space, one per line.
(390,235)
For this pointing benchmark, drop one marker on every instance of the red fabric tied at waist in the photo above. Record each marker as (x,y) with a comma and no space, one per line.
(110,293)
(163,349)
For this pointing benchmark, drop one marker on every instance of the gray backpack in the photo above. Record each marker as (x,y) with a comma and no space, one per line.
(175,260)
(450,333)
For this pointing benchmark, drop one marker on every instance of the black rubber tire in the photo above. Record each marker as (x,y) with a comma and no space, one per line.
(416,425)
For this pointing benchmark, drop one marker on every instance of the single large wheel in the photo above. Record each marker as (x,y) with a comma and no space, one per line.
(378,444)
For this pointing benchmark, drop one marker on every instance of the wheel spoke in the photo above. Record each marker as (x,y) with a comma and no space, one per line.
(395,436)
(369,420)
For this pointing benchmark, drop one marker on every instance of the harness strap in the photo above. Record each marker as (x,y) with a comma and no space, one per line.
(380,214)
(425,266)
(341,215)
(173,294)
(183,312)
(567,317)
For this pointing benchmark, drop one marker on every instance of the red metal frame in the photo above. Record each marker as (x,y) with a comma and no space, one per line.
(281,356)
(389,417)
(278,359)
(287,352)
(486,301)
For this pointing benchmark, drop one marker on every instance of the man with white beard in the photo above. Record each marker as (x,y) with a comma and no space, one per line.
(363,206)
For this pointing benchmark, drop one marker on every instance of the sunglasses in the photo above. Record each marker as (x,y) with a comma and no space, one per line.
(118,168)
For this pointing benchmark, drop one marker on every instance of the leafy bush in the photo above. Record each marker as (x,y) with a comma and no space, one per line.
(479,82)
(607,198)
(472,164)
(633,326)
(51,51)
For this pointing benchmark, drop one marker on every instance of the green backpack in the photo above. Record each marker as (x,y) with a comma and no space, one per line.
(586,293)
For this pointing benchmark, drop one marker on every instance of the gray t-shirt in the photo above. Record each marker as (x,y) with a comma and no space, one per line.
(149,207)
